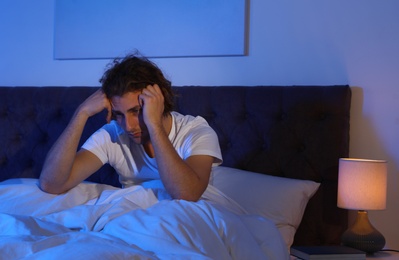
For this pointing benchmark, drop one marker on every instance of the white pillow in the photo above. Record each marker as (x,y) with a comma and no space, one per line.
(279,199)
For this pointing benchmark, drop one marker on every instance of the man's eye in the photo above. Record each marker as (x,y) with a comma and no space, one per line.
(137,111)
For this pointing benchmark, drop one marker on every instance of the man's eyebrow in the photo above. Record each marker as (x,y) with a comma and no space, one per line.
(135,108)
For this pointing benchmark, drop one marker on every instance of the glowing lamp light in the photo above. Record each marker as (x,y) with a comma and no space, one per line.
(362,186)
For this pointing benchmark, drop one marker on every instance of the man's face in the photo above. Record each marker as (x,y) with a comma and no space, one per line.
(128,113)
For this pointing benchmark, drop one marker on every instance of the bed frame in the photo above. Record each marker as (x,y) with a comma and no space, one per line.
(290,131)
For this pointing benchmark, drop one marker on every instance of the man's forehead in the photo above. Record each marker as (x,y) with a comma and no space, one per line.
(126,101)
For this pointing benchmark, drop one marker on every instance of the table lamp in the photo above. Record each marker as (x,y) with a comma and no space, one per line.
(362,186)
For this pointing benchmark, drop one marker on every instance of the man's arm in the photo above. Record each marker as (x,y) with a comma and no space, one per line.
(183,179)
(64,168)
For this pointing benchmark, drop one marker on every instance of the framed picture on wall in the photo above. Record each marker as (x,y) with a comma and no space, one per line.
(103,29)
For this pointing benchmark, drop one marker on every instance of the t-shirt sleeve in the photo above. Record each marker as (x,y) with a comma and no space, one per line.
(202,140)
(97,143)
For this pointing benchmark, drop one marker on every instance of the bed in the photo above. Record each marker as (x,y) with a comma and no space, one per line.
(276,187)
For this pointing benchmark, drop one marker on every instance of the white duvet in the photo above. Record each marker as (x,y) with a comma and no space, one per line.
(97,221)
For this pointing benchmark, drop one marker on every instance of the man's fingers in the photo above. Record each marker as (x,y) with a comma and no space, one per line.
(152,90)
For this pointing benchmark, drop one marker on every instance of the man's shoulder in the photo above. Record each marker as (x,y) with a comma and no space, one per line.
(189,126)
(111,130)
(187,119)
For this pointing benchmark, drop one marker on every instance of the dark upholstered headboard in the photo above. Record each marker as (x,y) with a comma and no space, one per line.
(294,131)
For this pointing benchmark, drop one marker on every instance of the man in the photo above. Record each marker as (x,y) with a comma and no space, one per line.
(145,140)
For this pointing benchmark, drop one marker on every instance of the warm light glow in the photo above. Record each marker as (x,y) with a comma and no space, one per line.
(362,184)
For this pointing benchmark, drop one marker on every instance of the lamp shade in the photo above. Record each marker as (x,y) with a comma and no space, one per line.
(362,184)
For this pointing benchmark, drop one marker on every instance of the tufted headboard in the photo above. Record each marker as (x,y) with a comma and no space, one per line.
(290,131)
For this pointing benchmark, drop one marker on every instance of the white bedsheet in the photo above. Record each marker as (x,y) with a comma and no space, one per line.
(96,221)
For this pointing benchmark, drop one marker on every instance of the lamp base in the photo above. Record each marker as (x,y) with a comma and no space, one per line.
(363,236)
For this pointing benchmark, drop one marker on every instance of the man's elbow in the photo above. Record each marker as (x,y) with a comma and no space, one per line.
(49,187)
(188,196)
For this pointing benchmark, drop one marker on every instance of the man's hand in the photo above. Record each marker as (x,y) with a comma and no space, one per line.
(96,103)
(152,102)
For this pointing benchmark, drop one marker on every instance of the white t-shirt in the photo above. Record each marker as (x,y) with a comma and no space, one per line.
(189,136)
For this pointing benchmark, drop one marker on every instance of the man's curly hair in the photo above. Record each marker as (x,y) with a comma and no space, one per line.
(133,73)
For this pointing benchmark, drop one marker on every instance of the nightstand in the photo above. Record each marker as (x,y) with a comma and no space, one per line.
(387,255)
(382,255)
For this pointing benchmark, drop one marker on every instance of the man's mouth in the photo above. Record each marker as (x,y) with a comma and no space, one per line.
(135,135)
